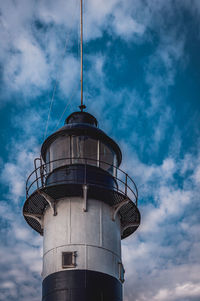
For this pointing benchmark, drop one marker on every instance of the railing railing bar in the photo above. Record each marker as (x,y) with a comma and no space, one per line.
(85,181)
(82,158)
(44,174)
(80,183)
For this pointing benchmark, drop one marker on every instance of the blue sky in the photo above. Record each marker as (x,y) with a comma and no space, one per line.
(141,81)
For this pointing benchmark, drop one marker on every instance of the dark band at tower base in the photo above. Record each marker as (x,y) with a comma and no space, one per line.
(81,285)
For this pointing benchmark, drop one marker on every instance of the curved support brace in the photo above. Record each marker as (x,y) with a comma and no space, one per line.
(128,226)
(50,201)
(37,217)
(117,207)
(85,188)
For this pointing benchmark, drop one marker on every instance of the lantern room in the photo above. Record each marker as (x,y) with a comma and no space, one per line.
(80,141)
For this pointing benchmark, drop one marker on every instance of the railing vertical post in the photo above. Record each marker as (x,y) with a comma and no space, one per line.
(98,153)
(85,172)
(70,150)
(126,178)
(35,165)
(136,201)
(42,175)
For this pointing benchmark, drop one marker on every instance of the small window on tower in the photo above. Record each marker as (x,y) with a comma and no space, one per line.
(121,272)
(68,259)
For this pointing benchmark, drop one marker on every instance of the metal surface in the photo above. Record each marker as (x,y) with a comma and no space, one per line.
(81,285)
(92,235)
(123,188)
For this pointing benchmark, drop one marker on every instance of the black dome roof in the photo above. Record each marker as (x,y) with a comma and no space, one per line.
(80,124)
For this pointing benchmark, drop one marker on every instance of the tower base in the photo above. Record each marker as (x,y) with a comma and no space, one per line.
(81,285)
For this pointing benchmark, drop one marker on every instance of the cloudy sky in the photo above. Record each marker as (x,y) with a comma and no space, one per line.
(142,82)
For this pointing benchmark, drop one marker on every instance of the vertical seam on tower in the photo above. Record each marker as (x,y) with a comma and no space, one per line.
(70,221)
(101,227)
(86,257)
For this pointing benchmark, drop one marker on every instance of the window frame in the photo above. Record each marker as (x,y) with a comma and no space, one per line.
(73,264)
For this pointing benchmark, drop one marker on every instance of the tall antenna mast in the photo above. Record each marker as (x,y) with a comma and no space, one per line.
(82,106)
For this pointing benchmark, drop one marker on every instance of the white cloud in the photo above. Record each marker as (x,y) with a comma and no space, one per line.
(13,173)
(7,285)
(28,67)
(163,255)
(196,175)
(126,26)
(70,75)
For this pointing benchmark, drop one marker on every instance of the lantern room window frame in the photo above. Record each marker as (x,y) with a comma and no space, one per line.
(74,158)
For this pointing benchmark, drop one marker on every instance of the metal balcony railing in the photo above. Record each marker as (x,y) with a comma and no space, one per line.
(123,183)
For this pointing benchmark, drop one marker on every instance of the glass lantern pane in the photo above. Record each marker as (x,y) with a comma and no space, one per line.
(90,151)
(84,150)
(77,145)
(107,157)
(115,166)
(47,160)
(60,152)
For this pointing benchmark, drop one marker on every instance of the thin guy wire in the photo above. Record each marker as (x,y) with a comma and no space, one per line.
(68,103)
(53,95)
(70,99)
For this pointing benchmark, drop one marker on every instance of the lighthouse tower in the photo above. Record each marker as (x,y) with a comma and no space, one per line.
(83,204)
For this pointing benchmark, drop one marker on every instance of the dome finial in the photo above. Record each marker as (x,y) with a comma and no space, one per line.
(82,107)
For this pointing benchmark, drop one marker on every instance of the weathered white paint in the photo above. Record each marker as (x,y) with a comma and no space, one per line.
(92,234)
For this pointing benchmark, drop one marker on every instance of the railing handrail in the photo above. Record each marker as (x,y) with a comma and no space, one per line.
(86,161)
